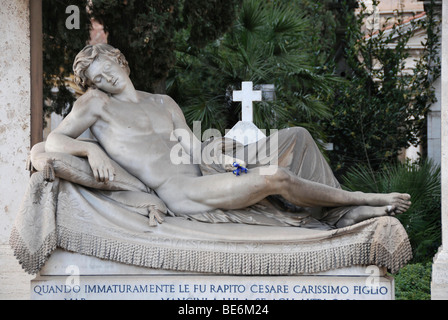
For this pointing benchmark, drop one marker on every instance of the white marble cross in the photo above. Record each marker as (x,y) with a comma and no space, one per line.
(245,131)
(247,96)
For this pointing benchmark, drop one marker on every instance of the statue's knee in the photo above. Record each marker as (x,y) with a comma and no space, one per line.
(36,150)
(280,179)
(301,132)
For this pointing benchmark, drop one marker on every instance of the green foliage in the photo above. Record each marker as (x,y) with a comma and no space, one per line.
(382,108)
(207,20)
(144,30)
(413,282)
(60,46)
(323,37)
(265,45)
(422,182)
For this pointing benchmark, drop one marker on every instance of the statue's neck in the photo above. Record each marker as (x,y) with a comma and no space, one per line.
(128,95)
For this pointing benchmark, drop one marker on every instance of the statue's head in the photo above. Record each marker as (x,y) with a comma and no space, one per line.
(86,56)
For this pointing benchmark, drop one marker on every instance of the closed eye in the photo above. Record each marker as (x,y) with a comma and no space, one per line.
(97,79)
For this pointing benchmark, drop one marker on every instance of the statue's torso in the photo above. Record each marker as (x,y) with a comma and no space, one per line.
(139,137)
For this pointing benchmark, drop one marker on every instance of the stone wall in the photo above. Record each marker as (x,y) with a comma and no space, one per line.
(14,136)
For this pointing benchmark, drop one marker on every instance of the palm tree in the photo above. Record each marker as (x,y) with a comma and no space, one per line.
(266,46)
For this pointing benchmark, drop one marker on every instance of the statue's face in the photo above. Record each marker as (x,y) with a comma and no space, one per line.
(107,75)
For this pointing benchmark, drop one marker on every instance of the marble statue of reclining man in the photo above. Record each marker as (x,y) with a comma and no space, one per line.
(135,129)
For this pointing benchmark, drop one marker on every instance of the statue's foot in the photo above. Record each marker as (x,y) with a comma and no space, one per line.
(400,203)
(395,203)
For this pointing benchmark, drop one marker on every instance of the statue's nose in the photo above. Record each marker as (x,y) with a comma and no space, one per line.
(107,77)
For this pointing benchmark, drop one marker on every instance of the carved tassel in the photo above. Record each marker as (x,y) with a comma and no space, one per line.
(29,165)
(155,216)
(49,171)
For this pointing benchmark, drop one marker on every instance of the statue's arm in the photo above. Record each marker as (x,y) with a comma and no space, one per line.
(84,114)
(63,138)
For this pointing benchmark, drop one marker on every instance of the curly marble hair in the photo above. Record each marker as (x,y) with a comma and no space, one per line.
(87,55)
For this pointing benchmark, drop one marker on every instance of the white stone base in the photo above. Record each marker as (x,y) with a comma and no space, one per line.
(73,276)
(439,282)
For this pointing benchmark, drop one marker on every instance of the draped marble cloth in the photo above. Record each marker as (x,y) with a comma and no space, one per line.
(74,212)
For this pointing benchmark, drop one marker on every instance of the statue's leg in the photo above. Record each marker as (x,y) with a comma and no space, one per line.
(226,191)
(298,152)
(294,149)
(303,178)
(361,213)
(311,194)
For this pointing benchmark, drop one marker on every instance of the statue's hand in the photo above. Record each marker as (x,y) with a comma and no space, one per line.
(101,164)
(155,216)
(228,163)
(157,209)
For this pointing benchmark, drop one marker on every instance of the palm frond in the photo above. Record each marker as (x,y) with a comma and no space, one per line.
(252,16)
(422,181)
(208,112)
(285,22)
(265,46)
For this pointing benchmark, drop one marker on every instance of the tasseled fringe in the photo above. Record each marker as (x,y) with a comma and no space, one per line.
(217,262)
(32,262)
(235,263)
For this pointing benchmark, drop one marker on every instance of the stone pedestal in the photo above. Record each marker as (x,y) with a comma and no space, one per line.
(439,282)
(73,276)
